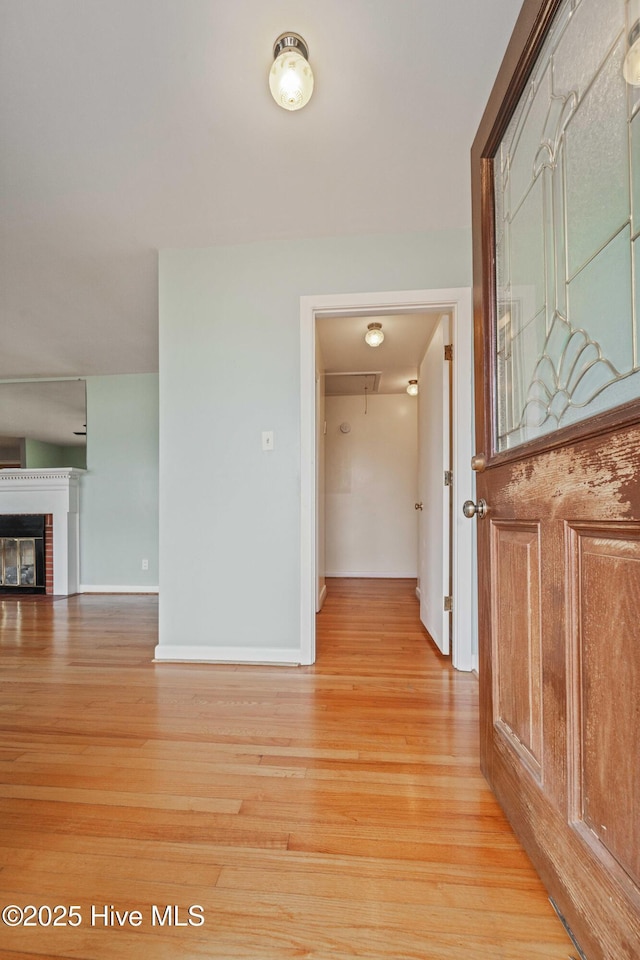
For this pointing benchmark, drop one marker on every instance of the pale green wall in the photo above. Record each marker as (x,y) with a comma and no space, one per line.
(74,457)
(119,493)
(229,369)
(39,454)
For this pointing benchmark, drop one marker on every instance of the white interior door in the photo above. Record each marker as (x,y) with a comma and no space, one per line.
(433,460)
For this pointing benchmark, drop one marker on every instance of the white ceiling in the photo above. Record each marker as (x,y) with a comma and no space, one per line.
(127,126)
(343,347)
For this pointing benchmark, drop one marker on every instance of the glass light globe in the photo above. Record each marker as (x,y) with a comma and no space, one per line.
(412,388)
(374,335)
(291,80)
(631,66)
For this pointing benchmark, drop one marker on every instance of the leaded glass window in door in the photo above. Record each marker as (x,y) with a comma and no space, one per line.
(567,220)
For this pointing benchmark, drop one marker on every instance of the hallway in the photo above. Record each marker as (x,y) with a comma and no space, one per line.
(323,812)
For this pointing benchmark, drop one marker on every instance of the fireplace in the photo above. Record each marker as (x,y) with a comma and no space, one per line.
(54,494)
(22,554)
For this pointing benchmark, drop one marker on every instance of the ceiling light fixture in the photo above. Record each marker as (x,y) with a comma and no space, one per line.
(412,388)
(291,77)
(374,335)
(631,65)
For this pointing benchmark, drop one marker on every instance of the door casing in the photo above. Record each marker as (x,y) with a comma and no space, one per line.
(457,302)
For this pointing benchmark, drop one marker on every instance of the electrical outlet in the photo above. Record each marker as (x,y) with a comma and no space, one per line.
(145,564)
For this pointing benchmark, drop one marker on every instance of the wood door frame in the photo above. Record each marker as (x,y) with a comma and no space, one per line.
(458,302)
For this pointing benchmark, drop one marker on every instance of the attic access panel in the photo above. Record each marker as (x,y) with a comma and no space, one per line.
(354,384)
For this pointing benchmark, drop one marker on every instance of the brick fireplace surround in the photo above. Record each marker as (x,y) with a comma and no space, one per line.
(48,553)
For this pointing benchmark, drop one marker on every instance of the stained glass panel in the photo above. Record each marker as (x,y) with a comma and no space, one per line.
(565,172)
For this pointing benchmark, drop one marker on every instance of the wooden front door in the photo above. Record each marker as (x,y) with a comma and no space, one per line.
(556,182)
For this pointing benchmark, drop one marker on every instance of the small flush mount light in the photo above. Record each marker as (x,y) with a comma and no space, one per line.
(291,77)
(631,66)
(412,388)
(374,335)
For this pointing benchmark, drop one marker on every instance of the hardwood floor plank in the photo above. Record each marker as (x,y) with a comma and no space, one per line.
(382,886)
(14,861)
(323,812)
(122,798)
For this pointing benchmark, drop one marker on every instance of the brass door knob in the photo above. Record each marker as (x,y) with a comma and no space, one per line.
(418,506)
(471,509)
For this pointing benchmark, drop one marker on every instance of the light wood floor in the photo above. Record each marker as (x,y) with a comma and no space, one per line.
(322,812)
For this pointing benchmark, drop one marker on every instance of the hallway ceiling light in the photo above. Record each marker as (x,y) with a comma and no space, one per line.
(374,335)
(412,388)
(291,77)
(631,66)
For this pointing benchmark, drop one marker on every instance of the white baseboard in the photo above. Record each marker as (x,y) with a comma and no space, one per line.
(112,588)
(269,655)
(374,576)
(418,594)
(322,598)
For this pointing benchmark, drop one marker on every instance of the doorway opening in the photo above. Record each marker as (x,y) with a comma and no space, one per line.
(383,455)
(456,304)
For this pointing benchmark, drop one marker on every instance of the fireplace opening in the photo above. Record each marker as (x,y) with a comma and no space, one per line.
(22,553)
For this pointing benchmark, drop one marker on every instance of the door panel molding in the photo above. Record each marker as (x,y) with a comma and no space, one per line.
(604,677)
(516,638)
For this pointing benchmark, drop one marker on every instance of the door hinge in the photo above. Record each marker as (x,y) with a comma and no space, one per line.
(448,604)
(448,351)
(448,478)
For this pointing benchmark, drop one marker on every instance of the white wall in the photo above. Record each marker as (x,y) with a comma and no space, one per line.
(371,487)
(229,369)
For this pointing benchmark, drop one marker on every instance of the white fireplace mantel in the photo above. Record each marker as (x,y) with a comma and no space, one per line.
(52,491)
